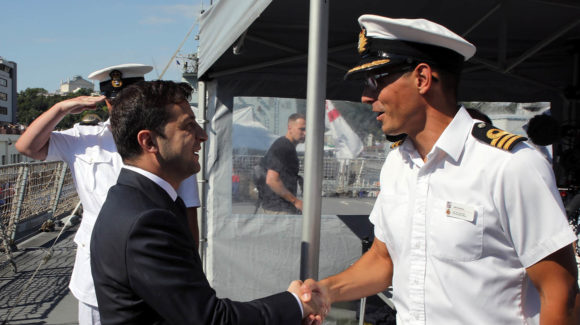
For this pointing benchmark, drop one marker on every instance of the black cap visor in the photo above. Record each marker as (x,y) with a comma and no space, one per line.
(374,63)
(382,53)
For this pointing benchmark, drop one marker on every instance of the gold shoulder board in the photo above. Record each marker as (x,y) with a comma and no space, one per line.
(396,144)
(496,137)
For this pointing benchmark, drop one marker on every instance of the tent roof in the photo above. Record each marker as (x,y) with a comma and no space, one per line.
(525,48)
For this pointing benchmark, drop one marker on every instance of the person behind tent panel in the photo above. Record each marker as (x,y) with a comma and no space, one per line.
(282,165)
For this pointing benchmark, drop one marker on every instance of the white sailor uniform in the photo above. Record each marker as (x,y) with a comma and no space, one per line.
(463,226)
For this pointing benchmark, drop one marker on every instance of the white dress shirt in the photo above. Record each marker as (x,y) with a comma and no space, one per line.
(462,227)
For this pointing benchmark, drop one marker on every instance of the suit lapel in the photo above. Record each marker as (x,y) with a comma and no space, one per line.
(159,196)
(152,191)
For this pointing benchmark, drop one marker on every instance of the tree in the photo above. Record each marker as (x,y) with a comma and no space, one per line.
(34,101)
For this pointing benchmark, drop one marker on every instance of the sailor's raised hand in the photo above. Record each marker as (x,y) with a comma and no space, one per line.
(79,104)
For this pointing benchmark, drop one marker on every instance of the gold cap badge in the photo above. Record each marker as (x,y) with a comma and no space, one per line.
(116,80)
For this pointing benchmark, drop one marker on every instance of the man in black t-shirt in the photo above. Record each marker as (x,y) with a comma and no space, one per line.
(282,165)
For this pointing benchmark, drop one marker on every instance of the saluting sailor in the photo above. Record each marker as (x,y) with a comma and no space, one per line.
(90,152)
(469,225)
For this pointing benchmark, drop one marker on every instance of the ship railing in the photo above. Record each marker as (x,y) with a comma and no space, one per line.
(33,196)
(340,177)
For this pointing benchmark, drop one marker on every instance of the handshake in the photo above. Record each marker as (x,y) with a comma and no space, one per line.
(315,300)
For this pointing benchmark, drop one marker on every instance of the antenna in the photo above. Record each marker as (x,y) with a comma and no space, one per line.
(179,48)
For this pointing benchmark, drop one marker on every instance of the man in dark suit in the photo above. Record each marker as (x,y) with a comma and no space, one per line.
(144,262)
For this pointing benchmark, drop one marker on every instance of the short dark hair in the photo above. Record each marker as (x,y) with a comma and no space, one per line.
(143,106)
(449,80)
(295,117)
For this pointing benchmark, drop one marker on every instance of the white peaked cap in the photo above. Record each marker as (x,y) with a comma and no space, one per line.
(416,30)
(129,70)
(387,42)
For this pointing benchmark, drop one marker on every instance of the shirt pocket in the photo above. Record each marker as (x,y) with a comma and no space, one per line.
(453,238)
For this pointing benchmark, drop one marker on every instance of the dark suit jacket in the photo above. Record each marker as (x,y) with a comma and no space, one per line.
(147,271)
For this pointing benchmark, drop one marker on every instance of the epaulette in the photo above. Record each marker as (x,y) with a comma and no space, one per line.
(496,137)
(396,144)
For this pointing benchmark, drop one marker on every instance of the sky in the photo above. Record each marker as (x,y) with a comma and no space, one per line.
(54,40)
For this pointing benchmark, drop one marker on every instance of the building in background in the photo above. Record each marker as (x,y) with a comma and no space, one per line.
(9,130)
(8,154)
(74,84)
(7,91)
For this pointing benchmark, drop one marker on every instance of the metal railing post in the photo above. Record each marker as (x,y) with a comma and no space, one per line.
(58,190)
(17,203)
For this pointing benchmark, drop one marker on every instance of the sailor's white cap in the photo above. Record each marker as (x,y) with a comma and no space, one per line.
(113,79)
(387,41)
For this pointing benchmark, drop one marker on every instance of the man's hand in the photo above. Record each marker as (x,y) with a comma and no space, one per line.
(314,300)
(80,104)
(298,204)
(311,290)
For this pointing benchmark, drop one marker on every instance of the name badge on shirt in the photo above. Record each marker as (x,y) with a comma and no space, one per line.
(460,211)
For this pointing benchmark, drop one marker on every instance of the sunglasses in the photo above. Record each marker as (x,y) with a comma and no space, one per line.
(372,81)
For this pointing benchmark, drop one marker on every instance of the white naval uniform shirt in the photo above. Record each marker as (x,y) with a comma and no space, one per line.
(92,157)
(467,266)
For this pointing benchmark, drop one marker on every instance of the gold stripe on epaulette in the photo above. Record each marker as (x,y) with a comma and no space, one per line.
(505,139)
(496,137)
(512,140)
(396,144)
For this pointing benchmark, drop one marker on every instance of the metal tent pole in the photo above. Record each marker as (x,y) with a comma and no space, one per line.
(315,97)
(202,176)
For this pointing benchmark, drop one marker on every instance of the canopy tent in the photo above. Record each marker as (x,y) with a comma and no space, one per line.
(528,50)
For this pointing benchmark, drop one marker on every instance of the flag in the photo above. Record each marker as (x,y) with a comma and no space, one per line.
(347,143)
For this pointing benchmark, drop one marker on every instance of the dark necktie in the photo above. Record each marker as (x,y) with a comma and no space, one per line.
(180,205)
(180,208)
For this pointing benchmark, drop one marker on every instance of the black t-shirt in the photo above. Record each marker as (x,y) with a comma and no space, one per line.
(282,158)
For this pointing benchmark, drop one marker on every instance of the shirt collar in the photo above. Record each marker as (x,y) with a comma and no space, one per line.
(106,125)
(156,179)
(453,138)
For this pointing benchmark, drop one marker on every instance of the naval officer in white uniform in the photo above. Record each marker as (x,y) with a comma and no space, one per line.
(469,225)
